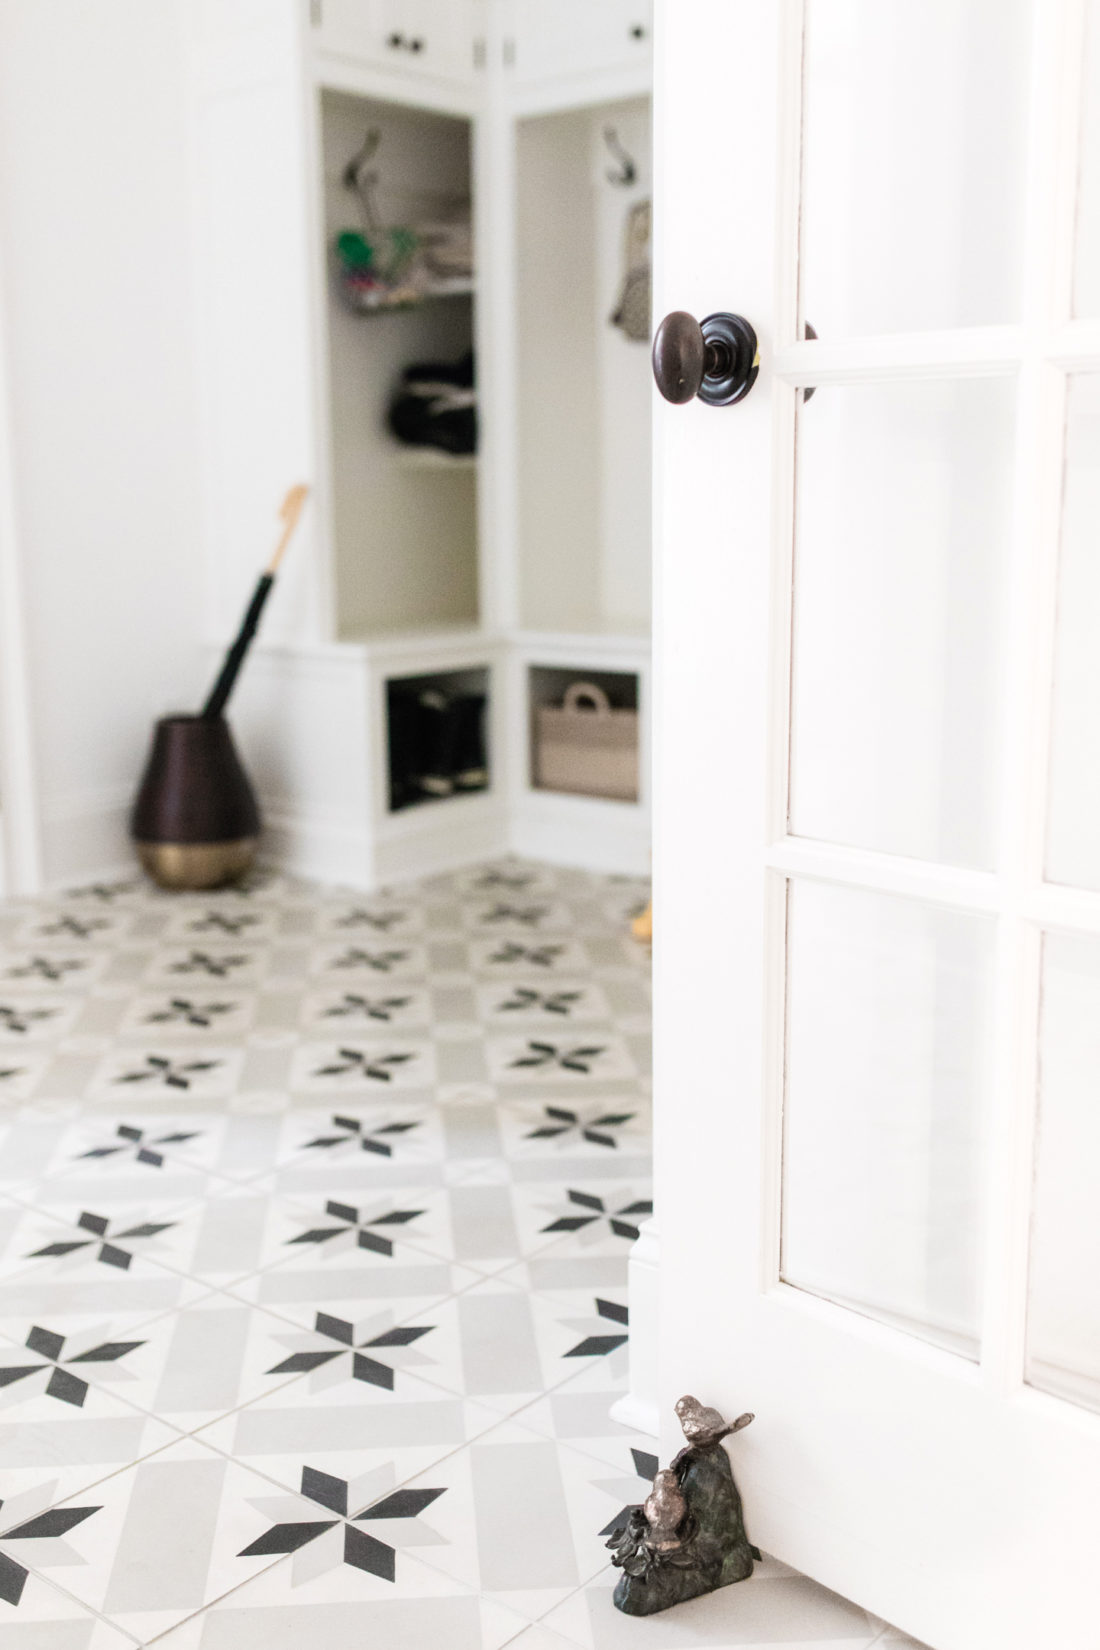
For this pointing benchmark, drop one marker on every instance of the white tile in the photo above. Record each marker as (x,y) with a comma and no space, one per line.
(56,1439)
(33,1017)
(164,1538)
(45,1618)
(768,1609)
(518,1516)
(314,1601)
(355,1429)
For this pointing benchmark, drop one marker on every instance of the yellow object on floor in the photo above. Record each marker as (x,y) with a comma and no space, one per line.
(642,926)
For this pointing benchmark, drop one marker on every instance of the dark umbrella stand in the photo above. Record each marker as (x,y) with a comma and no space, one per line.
(195,822)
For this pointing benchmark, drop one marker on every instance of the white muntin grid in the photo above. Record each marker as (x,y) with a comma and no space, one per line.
(1038,355)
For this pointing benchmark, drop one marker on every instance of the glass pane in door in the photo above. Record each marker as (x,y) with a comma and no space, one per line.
(913,144)
(1086,271)
(1073,835)
(902,529)
(1063,1325)
(888,1004)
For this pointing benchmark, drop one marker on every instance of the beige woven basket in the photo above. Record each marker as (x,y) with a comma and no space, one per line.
(586,747)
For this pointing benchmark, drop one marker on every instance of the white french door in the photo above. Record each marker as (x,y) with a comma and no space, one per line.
(878,796)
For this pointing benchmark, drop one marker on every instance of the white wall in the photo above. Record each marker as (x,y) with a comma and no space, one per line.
(93,237)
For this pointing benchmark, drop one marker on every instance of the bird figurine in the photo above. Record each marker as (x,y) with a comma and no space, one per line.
(703,1426)
(665,1510)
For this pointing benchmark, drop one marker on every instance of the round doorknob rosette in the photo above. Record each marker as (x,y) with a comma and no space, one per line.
(716,359)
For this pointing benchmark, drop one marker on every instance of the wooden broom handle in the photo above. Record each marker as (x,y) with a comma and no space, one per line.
(289,512)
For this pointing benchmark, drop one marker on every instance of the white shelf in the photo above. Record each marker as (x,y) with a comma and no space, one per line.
(428,640)
(432,458)
(367,302)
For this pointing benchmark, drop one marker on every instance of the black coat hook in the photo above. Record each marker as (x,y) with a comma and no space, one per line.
(627,172)
(364,183)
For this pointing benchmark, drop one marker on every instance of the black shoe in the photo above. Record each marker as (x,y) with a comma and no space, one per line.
(437,407)
(471,762)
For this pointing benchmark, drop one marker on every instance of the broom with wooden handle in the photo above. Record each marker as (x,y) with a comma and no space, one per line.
(289,513)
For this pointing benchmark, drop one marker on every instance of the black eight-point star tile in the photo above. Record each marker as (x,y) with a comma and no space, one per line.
(548,1056)
(352,1132)
(352,1220)
(529,915)
(562,1121)
(354,1006)
(361,1550)
(356,1062)
(49,1348)
(107,1244)
(539,956)
(174,1074)
(622,1221)
(143,1147)
(551,1002)
(362,1366)
(598,1346)
(182,1011)
(201,962)
(381,962)
(380,921)
(46,1526)
(20,1020)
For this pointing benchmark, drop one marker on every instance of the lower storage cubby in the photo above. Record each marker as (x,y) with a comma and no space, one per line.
(437,736)
(584,732)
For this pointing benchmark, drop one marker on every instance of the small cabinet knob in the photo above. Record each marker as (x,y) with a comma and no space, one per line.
(416,44)
(395,41)
(715,359)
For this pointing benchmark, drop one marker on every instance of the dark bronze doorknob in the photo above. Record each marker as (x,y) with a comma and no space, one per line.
(715,359)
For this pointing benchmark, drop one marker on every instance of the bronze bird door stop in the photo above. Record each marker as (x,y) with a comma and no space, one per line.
(689,1537)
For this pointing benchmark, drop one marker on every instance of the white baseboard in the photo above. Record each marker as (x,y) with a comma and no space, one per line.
(325,850)
(581,831)
(637,1414)
(86,838)
(440,837)
(639,1408)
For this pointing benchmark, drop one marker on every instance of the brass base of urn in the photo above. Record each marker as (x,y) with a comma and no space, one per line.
(196,865)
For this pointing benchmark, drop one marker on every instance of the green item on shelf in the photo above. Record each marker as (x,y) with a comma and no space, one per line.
(404,244)
(354,252)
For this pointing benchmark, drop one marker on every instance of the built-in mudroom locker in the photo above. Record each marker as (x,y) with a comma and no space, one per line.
(421,249)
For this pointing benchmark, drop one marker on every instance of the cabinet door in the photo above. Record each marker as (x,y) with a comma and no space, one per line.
(557,38)
(411,36)
(434,38)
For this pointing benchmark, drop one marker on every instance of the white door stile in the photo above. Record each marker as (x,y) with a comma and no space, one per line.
(1025,719)
(786,396)
(999,1467)
(707,869)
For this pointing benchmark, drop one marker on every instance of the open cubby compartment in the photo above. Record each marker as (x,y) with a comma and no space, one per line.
(437,736)
(404,519)
(584,389)
(604,771)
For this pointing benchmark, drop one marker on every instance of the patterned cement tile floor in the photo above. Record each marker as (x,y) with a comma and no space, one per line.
(314,1219)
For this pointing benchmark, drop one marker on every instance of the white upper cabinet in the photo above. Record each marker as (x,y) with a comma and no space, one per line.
(556,39)
(408,36)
